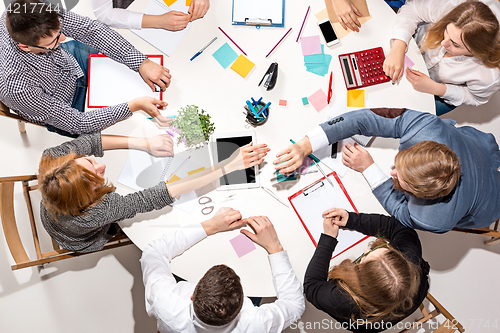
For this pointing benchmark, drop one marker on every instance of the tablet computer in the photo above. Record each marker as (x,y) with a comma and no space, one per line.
(223,145)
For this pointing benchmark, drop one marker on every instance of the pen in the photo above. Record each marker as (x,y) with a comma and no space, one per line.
(171,117)
(330,88)
(274,196)
(302,26)
(264,108)
(316,161)
(279,42)
(203,49)
(232,40)
(180,166)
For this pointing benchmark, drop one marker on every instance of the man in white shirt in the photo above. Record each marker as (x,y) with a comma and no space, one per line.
(216,303)
(122,18)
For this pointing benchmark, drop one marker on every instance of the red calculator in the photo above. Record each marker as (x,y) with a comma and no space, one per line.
(363,68)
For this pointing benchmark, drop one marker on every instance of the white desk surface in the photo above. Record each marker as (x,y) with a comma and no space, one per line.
(222,92)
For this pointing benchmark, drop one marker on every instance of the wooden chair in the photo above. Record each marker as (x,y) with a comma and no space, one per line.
(21,122)
(11,232)
(494,233)
(450,325)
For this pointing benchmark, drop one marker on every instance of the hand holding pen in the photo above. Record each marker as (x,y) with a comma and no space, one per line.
(292,156)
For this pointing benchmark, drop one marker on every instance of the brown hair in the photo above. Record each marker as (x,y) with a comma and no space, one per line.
(430,169)
(68,188)
(29,20)
(382,288)
(218,296)
(480,31)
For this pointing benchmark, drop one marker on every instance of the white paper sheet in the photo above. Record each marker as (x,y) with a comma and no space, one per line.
(164,40)
(112,83)
(258,9)
(310,208)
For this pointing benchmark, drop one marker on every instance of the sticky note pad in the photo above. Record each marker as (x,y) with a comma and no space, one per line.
(310,45)
(188,3)
(242,65)
(170,2)
(282,102)
(173,179)
(408,62)
(242,245)
(284,178)
(225,55)
(192,172)
(305,101)
(318,100)
(355,98)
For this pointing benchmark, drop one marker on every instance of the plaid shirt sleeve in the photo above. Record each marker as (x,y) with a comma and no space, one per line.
(103,39)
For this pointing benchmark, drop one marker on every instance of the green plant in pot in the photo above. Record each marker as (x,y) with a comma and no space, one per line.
(193,125)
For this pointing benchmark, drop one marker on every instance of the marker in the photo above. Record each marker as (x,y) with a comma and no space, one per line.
(232,41)
(171,134)
(279,42)
(203,49)
(264,108)
(250,106)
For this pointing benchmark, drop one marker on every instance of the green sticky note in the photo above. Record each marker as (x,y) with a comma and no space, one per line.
(305,101)
(225,55)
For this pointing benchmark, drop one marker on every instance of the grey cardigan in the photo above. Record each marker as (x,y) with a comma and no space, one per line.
(91,231)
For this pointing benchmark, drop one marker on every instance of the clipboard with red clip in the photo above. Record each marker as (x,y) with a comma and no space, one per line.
(310,203)
(112,83)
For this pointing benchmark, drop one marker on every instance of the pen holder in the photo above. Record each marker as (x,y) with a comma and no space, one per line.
(262,117)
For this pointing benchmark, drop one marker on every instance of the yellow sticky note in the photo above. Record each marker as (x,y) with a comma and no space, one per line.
(188,3)
(169,2)
(192,172)
(356,98)
(173,179)
(242,65)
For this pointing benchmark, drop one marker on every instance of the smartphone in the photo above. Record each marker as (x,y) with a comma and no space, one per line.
(328,33)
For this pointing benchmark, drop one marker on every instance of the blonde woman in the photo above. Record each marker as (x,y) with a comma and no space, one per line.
(461,47)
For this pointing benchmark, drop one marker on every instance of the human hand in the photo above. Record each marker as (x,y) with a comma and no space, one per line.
(150,105)
(394,63)
(424,83)
(347,14)
(264,235)
(151,73)
(356,157)
(160,145)
(333,219)
(198,8)
(174,20)
(293,156)
(247,156)
(225,219)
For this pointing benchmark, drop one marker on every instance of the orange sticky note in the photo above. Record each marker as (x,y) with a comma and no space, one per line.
(169,2)
(242,65)
(192,172)
(188,3)
(356,98)
(173,179)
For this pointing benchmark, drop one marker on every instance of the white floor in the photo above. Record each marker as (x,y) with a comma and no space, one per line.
(104,293)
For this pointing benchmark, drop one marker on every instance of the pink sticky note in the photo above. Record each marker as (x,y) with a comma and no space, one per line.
(318,100)
(310,45)
(242,245)
(408,62)
(282,102)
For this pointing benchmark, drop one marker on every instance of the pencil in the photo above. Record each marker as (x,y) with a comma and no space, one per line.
(232,41)
(180,166)
(305,17)
(278,42)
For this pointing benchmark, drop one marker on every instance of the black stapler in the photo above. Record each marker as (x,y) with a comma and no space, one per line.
(270,77)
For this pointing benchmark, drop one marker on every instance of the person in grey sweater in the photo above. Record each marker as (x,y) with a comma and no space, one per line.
(444,176)
(80,210)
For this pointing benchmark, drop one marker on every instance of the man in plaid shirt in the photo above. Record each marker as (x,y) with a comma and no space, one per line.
(45,82)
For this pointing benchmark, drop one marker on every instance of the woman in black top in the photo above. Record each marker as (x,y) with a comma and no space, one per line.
(379,289)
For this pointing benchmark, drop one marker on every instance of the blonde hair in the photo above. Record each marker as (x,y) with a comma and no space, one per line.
(430,169)
(480,31)
(68,188)
(382,288)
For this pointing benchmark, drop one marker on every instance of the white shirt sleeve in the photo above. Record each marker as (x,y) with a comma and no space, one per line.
(290,304)
(374,176)
(317,138)
(116,17)
(156,257)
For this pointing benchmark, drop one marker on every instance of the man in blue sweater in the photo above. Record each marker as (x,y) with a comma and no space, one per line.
(444,176)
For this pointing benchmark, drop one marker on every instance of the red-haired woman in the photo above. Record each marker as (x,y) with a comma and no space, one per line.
(460,41)
(377,290)
(80,209)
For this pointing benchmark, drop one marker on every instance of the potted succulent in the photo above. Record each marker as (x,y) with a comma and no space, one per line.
(193,126)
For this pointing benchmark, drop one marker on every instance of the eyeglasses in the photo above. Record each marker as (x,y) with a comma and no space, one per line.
(56,45)
(204,201)
(358,259)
